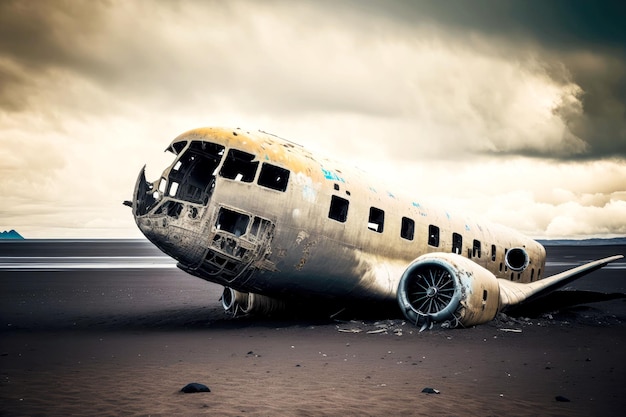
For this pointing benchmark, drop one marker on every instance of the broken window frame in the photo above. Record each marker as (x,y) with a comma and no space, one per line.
(171,208)
(476,248)
(232,222)
(239,166)
(259,227)
(177,147)
(192,177)
(273,177)
(376,220)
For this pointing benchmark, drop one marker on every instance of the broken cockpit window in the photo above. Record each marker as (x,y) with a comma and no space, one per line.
(177,147)
(232,222)
(273,177)
(192,177)
(172,208)
(239,166)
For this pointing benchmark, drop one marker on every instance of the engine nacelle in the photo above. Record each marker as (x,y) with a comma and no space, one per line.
(235,302)
(446,287)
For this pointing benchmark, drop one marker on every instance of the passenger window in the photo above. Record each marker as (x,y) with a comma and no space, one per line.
(376,220)
(338,209)
(273,177)
(239,166)
(408,228)
(457,243)
(476,249)
(493,253)
(433,236)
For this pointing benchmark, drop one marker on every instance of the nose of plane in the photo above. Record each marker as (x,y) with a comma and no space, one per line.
(168,224)
(156,229)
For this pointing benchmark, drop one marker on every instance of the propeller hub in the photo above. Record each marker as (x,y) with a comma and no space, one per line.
(432,292)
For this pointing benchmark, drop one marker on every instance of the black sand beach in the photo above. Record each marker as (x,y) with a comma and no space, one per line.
(113,328)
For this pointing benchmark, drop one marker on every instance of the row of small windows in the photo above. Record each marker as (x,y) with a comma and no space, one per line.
(457,243)
(376,220)
(339,212)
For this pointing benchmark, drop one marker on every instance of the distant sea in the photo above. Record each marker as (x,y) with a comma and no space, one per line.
(56,254)
(583,242)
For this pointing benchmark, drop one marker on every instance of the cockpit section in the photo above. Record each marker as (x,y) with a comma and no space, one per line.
(192,176)
(170,211)
(190,179)
(177,212)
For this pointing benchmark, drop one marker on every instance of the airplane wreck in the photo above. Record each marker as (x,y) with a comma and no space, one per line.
(272,223)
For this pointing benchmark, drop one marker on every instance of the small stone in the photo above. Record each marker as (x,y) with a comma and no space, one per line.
(194,387)
(428,390)
(562,399)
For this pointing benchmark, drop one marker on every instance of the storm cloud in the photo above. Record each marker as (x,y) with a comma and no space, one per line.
(474,103)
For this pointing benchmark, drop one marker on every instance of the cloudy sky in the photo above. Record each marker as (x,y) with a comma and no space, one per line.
(515,110)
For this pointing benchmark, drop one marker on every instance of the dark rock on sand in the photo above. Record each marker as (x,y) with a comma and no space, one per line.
(428,390)
(195,387)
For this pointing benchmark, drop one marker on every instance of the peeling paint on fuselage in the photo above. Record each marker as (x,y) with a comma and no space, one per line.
(309,254)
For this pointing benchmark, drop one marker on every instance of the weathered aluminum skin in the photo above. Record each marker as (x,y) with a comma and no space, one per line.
(304,253)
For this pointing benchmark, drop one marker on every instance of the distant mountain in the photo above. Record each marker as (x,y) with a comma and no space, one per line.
(12,234)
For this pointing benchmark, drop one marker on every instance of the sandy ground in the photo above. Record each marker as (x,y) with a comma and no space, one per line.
(125,341)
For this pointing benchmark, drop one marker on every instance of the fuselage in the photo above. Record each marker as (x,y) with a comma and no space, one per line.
(260,214)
